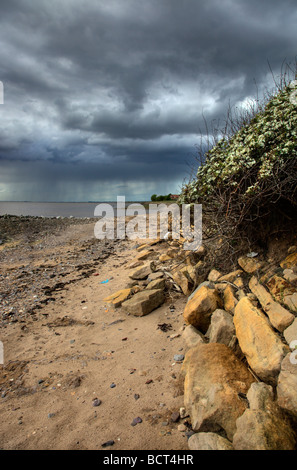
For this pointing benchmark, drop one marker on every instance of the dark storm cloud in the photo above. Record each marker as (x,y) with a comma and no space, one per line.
(118,90)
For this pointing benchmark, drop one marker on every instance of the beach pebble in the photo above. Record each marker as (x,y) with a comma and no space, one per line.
(175,416)
(178,357)
(136,421)
(96,402)
(108,443)
(113,385)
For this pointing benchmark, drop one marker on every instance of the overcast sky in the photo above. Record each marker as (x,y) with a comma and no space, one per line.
(107,97)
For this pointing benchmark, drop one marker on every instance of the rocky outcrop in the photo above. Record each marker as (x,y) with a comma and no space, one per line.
(214,380)
(263,348)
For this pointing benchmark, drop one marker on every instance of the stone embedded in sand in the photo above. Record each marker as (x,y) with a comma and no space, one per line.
(260,344)
(287,385)
(200,307)
(290,261)
(263,426)
(143,272)
(249,265)
(116,299)
(279,317)
(208,441)
(144,302)
(214,378)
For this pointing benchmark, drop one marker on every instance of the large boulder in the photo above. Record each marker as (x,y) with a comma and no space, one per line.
(200,307)
(279,317)
(144,302)
(258,341)
(263,426)
(287,384)
(214,382)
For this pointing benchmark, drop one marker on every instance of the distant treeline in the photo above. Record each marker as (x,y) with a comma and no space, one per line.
(154,197)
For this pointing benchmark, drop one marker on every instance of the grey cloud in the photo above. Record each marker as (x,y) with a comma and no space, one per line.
(119,89)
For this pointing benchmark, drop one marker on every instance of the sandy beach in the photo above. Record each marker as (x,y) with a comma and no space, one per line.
(78,372)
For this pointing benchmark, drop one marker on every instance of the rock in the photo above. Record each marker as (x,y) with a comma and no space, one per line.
(279,288)
(143,272)
(208,441)
(292,249)
(163,258)
(134,264)
(155,275)
(230,277)
(107,444)
(221,328)
(262,347)
(203,284)
(291,301)
(144,254)
(136,421)
(290,275)
(263,426)
(186,278)
(200,307)
(287,386)
(290,261)
(183,412)
(192,336)
(175,416)
(181,428)
(214,275)
(116,299)
(290,333)
(213,379)
(172,252)
(96,402)
(178,357)
(279,317)
(156,284)
(144,302)
(249,265)
(230,300)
